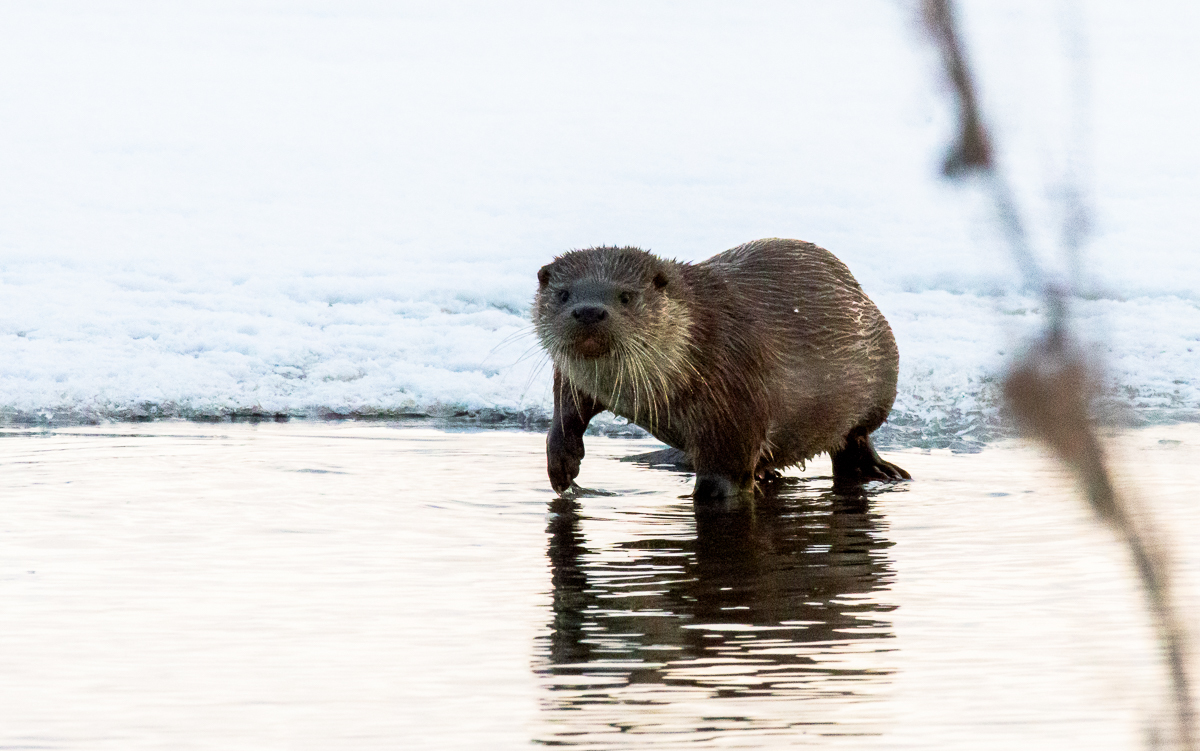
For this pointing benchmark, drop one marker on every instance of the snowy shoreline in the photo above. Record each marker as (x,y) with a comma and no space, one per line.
(93,343)
(960,433)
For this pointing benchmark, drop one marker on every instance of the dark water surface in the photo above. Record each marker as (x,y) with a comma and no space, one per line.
(322,586)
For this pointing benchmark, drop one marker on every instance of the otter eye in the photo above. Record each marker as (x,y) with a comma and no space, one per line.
(660,280)
(625,298)
(563,295)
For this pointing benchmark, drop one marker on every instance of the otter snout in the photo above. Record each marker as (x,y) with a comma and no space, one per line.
(590,326)
(589,314)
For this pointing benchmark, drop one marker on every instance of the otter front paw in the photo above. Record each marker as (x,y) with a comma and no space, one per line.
(563,457)
(562,468)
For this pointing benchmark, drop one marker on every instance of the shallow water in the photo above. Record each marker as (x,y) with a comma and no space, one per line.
(307,585)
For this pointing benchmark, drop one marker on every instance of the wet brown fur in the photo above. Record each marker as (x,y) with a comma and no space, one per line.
(754,360)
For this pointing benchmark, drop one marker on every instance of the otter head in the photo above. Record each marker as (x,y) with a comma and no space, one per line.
(614,320)
(587,314)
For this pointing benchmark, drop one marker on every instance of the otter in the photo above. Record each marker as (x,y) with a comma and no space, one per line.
(752,361)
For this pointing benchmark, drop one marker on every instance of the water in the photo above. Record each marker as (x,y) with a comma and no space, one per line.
(309,585)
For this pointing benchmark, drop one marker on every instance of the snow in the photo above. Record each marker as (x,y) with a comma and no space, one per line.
(320,208)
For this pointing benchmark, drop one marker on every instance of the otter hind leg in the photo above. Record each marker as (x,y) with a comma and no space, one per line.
(858,462)
(725,457)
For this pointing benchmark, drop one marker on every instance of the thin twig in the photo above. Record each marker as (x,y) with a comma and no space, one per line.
(1049,390)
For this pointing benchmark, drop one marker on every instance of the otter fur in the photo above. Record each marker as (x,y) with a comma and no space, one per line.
(754,360)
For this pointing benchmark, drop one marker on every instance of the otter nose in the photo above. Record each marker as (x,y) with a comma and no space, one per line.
(589,314)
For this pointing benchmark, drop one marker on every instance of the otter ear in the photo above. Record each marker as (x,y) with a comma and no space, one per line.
(660,280)
(544,276)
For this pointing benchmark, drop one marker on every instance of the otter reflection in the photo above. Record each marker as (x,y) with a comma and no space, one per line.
(778,601)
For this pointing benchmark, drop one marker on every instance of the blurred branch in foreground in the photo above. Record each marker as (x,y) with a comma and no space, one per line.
(1049,388)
